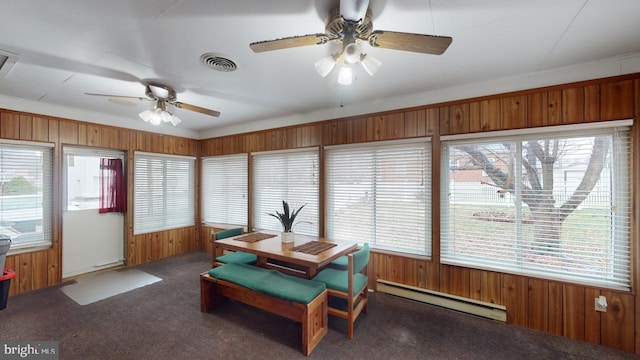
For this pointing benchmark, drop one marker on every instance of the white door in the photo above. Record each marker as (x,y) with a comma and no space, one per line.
(90,241)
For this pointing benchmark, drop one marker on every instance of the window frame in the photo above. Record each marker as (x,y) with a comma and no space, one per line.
(85,152)
(208,195)
(307,222)
(47,195)
(189,217)
(371,149)
(622,182)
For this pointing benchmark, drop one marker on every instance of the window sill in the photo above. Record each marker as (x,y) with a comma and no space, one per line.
(27,248)
(401,254)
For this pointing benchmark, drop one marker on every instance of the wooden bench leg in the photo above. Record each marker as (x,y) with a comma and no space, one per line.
(315,325)
(208,296)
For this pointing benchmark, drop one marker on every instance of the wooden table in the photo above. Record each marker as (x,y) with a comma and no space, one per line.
(274,254)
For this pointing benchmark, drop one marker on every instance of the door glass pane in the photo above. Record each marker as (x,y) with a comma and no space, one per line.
(83,182)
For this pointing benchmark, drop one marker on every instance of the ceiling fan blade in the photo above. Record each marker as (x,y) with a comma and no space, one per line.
(427,44)
(289,42)
(196,108)
(119,96)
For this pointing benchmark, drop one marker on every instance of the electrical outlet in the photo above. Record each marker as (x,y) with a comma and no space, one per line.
(599,307)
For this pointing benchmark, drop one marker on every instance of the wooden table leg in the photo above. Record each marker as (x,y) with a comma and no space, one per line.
(261,262)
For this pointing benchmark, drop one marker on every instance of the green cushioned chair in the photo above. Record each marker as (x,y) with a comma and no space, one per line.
(350,285)
(339,263)
(237,257)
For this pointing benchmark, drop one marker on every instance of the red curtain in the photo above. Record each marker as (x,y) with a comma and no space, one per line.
(113,195)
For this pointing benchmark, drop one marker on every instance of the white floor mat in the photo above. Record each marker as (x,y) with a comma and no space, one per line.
(97,287)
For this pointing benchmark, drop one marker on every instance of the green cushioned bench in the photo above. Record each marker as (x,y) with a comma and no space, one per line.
(301,300)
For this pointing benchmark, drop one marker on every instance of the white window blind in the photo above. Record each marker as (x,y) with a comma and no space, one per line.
(291,176)
(540,205)
(26,175)
(163,192)
(381,194)
(224,189)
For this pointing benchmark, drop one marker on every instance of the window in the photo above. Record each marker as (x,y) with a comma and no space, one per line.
(381,194)
(83,182)
(163,192)
(291,176)
(224,189)
(548,205)
(26,175)
(82,188)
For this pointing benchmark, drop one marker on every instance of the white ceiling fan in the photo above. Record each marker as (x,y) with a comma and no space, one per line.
(162,95)
(349,24)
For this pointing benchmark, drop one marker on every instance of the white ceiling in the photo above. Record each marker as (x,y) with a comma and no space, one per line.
(65,48)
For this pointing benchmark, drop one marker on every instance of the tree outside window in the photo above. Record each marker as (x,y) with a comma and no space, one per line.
(553,207)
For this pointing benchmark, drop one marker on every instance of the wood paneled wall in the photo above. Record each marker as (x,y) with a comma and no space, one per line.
(559,308)
(43,268)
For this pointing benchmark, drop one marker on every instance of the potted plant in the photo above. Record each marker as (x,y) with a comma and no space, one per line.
(287,218)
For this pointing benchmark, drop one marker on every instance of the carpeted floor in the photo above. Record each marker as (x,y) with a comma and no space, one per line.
(163,321)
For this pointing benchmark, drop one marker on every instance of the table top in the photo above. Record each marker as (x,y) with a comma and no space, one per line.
(274,248)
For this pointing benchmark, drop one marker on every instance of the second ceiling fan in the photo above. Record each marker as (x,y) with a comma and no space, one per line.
(349,24)
(162,95)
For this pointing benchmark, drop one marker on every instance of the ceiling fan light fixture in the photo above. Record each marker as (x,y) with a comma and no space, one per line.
(175,120)
(159,114)
(351,53)
(370,64)
(345,76)
(146,115)
(162,95)
(349,24)
(165,116)
(155,118)
(325,65)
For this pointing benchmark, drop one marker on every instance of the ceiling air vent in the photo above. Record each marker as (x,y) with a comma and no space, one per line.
(7,60)
(217,62)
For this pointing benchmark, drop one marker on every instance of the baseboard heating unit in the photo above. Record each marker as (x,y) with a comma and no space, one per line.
(453,302)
